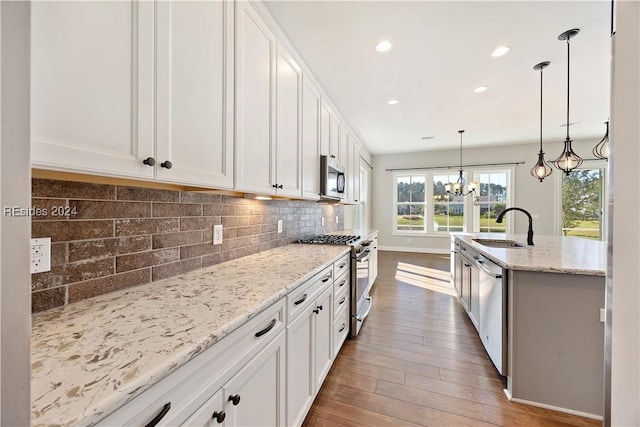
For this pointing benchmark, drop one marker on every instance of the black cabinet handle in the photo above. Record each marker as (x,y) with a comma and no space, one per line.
(332,156)
(219,416)
(149,161)
(261,333)
(342,283)
(167,164)
(160,415)
(316,311)
(326,279)
(280,186)
(342,300)
(341,266)
(301,300)
(235,398)
(319,307)
(277,186)
(342,328)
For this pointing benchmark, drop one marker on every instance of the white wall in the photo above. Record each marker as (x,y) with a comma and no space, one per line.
(15,190)
(623,278)
(530,194)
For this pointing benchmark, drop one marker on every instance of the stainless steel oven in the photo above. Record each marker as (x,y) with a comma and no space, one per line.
(360,287)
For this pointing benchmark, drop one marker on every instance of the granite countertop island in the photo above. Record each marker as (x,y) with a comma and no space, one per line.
(551,254)
(91,357)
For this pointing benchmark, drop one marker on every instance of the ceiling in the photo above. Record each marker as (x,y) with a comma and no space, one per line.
(441,51)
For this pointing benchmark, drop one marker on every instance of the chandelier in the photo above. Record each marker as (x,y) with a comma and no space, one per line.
(601,151)
(541,170)
(568,159)
(458,188)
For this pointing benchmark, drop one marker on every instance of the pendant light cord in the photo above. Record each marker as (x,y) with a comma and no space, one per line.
(568,80)
(541,109)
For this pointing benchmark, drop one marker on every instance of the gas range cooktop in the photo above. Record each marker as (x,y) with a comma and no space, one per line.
(331,239)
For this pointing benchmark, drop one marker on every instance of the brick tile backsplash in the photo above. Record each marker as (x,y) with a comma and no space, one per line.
(115,237)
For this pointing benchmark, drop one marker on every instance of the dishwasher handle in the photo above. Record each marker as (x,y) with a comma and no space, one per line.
(481,265)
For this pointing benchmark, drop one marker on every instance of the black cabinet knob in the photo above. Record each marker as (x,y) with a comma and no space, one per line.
(235,399)
(275,185)
(280,186)
(219,416)
(319,307)
(316,311)
(166,164)
(149,161)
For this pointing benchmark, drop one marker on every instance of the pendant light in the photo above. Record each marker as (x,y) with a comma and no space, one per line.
(458,186)
(568,159)
(541,170)
(601,151)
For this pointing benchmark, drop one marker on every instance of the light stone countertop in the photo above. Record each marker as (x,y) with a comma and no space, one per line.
(91,357)
(551,254)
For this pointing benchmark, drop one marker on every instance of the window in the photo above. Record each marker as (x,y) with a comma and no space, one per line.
(583,203)
(448,210)
(410,203)
(492,199)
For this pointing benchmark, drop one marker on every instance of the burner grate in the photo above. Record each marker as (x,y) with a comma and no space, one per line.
(331,239)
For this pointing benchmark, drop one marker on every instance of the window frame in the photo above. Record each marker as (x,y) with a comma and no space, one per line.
(510,170)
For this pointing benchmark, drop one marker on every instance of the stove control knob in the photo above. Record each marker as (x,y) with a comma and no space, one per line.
(366,242)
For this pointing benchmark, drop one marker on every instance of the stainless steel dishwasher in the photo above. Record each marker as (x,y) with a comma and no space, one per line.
(493,319)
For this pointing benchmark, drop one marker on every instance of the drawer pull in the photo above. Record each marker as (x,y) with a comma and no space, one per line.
(342,300)
(219,416)
(341,266)
(319,307)
(301,300)
(342,283)
(160,415)
(326,278)
(316,311)
(234,399)
(166,164)
(149,161)
(261,333)
(342,328)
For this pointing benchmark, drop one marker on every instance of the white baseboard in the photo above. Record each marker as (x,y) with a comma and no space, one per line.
(553,408)
(418,250)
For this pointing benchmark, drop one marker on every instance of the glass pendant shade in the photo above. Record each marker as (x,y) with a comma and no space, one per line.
(457,188)
(568,160)
(601,151)
(541,170)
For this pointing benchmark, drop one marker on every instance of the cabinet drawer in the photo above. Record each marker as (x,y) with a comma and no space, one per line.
(340,300)
(341,283)
(189,387)
(305,294)
(340,327)
(341,265)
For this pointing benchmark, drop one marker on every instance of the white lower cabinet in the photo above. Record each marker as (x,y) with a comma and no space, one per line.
(309,354)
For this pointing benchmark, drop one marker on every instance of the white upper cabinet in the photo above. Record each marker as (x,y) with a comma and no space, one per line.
(343,141)
(288,125)
(310,140)
(325,129)
(334,136)
(194,103)
(355,168)
(134,89)
(92,87)
(255,102)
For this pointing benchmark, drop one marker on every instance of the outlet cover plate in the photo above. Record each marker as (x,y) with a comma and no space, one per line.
(40,258)
(217,234)
(279,226)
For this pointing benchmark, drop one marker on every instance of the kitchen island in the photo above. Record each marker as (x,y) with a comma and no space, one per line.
(552,294)
(92,357)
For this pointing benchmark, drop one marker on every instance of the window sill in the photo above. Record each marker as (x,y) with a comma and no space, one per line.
(446,235)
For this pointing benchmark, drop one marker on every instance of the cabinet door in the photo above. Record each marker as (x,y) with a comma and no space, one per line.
(288,145)
(323,336)
(343,141)
(195,93)
(325,130)
(92,87)
(300,368)
(255,102)
(349,169)
(356,172)
(310,140)
(210,414)
(334,136)
(475,297)
(255,396)
(465,290)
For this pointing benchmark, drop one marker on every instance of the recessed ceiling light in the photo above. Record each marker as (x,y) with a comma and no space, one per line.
(383,46)
(428,137)
(500,50)
(392,101)
(480,89)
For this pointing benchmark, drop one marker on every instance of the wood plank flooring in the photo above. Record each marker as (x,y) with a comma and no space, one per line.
(419,361)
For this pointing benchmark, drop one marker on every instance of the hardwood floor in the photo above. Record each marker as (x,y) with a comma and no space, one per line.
(419,361)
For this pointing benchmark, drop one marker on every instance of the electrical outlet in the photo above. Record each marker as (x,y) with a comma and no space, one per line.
(279,226)
(322,221)
(337,219)
(602,315)
(40,255)
(217,234)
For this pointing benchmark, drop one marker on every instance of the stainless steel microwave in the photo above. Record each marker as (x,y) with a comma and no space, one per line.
(332,178)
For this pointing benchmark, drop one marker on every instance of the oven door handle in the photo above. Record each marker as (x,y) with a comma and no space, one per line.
(361,318)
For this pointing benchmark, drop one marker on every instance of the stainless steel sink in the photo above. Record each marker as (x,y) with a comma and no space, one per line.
(499,243)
